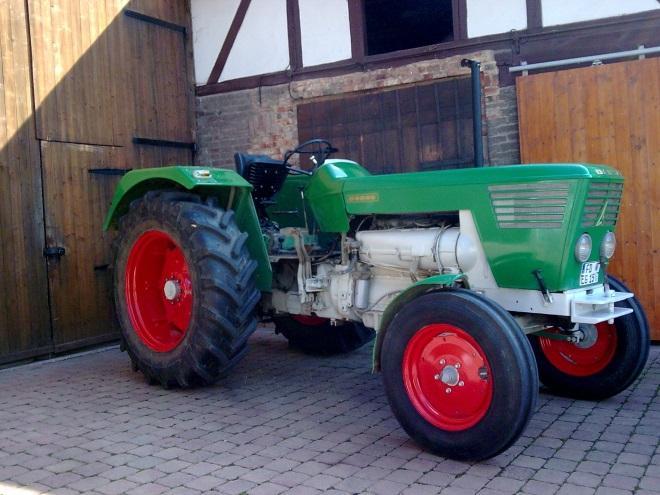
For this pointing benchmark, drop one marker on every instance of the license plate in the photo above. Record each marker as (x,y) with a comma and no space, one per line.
(589,273)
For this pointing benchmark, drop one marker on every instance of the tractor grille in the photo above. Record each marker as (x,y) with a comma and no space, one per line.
(540,205)
(602,204)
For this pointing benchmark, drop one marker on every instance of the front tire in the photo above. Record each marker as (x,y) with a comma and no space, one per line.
(459,374)
(609,361)
(184,289)
(316,336)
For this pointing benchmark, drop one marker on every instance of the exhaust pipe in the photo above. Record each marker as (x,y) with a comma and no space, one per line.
(475,69)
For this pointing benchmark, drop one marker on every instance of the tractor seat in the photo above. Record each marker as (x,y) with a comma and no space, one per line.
(265,174)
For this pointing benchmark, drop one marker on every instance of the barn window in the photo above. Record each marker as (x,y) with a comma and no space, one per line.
(392,25)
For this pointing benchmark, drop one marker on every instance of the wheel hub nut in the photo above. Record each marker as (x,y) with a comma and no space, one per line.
(171,289)
(449,376)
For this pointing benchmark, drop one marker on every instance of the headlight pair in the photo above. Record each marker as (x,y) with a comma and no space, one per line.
(583,247)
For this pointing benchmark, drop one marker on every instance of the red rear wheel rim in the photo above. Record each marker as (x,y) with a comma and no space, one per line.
(158,291)
(573,360)
(310,320)
(447,377)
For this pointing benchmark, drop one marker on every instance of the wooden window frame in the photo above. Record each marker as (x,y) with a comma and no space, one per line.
(359,35)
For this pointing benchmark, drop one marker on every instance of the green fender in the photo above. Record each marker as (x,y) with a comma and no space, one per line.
(429,284)
(232,191)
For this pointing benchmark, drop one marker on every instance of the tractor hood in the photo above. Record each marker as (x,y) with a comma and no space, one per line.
(528,217)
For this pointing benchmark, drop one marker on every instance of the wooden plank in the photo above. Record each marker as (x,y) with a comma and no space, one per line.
(24,318)
(606,114)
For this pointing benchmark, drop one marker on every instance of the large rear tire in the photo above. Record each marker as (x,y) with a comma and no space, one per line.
(184,289)
(609,360)
(314,335)
(459,374)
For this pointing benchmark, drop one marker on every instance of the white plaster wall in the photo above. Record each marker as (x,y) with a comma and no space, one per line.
(486,17)
(325,31)
(262,44)
(566,11)
(210,24)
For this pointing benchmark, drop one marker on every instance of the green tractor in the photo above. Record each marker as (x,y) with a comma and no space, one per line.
(474,282)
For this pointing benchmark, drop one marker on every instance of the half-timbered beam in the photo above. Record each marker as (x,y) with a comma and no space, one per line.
(534,15)
(293,27)
(229,41)
(357,28)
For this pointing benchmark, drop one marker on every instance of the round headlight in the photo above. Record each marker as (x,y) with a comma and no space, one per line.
(583,248)
(608,245)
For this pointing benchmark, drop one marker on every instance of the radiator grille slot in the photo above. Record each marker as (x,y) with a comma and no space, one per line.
(541,205)
(603,204)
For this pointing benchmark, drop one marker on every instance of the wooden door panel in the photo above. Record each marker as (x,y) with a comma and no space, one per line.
(77,202)
(75,81)
(607,114)
(24,324)
(159,85)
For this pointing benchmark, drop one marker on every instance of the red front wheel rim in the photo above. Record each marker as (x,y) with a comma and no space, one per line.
(447,377)
(158,291)
(575,360)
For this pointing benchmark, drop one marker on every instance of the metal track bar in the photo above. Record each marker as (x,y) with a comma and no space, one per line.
(582,60)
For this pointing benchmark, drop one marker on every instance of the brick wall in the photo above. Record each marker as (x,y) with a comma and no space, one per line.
(259,120)
(501,127)
(264,121)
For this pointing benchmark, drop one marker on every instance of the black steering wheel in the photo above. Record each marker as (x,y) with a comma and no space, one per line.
(323,150)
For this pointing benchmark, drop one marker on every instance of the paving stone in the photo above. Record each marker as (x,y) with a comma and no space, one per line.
(292,478)
(148,489)
(535,487)
(116,487)
(608,490)
(205,483)
(405,476)
(419,489)
(621,481)
(584,479)
(236,487)
(354,485)
(322,481)
(268,489)
(550,476)
(505,485)
(570,489)
(470,481)
(634,459)
(650,483)
(387,487)
(599,468)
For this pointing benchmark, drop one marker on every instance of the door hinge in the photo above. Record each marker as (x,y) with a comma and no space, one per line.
(109,171)
(54,252)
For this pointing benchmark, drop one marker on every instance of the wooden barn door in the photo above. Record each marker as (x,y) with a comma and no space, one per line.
(119,77)
(608,114)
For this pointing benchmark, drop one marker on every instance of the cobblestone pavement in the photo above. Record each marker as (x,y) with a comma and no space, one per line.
(284,422)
